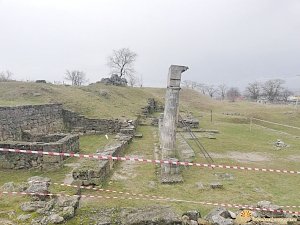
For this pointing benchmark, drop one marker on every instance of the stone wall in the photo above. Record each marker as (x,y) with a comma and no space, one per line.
(9,160)
(75,122)
(96,172)
(152,106)
(44,119)
(16,123)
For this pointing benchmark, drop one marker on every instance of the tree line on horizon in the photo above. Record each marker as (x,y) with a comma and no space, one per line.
(122,72)
(272,90)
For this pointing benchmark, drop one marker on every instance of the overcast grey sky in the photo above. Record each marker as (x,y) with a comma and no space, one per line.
(230,41)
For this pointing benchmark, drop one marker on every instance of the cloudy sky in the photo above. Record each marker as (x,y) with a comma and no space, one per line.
(222,41)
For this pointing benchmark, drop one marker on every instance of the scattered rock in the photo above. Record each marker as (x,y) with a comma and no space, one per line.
(55,218)
(268,214)
(200,186)
(138,135)
(280,144)
(11,186)
(192,215)
(224,176)
(219,216)
(216,185)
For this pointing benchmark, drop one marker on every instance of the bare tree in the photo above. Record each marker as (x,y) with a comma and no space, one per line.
(76,77)
(222,90)
(233,93)
(5,76)
(202,88)
(272,88)
(211,90)
(132,80)
(253,90)
(121,62)
(285,93)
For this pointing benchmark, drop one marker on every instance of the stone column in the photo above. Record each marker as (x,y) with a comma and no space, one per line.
(168,129)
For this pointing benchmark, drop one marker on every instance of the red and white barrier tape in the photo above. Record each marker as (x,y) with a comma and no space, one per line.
(105,157)
(153,199)
(144,195)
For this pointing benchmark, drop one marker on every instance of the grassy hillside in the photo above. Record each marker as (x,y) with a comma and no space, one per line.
(99,101)
(238,143)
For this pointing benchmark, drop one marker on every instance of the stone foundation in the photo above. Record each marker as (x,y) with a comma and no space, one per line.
(57,143)
(95,172)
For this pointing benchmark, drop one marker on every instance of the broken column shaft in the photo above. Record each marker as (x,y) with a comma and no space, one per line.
(168,128)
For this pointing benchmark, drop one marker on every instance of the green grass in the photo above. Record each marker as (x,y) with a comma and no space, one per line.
(235,136)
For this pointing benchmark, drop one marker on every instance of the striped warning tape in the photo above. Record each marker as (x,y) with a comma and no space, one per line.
(109,157)
(153,199)
(142,195)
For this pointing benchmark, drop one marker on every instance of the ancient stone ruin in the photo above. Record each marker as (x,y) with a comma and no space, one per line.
(42,128)
(170,172)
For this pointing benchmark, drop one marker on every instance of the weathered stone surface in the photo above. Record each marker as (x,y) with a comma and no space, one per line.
(10,186)
(32,206)
(103,216)
(67,143)
(45,118)
(24,217)
(96,173)
(219,216)
(68,212)
(155,215)
(55,218)
(192,215)
(38,184)
(67,201)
